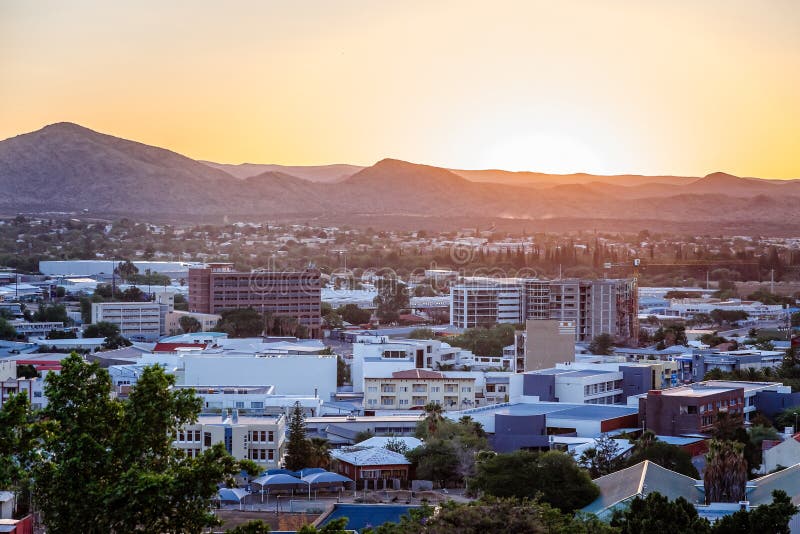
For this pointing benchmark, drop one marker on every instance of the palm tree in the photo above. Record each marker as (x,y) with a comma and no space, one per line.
(726,472)
(433,413)
(319,453)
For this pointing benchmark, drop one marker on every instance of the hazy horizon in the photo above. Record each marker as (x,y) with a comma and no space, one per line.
(669,88)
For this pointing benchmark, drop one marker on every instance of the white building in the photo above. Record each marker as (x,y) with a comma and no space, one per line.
(137,321)
(261,439)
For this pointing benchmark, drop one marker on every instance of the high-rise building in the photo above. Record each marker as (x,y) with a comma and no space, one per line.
(217,286)
(593,306)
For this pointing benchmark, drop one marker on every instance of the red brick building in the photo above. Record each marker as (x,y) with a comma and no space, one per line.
(217,287)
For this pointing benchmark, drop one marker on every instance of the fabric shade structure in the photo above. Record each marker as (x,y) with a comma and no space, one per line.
(232,494)
(310,471)
(326,479)
(279,482)
(283,472)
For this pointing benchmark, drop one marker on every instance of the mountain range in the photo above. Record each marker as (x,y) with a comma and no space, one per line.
(65,167)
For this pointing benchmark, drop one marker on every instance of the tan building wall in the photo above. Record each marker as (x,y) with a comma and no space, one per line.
(547,343)
(404,394)
(207,321)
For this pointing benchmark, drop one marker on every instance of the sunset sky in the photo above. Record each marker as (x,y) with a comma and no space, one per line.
(672,87)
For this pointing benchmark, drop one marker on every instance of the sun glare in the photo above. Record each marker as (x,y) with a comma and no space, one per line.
(545,152)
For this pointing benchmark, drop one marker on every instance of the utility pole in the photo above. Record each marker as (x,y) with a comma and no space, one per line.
(772,281)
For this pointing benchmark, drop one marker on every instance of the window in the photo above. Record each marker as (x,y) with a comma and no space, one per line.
(372,389)
(37,394)
(239,404)
(466,390)
(271,436)
(257,405)
(207,439)
(181,436)
(435,389)
(197,435)
(270,454)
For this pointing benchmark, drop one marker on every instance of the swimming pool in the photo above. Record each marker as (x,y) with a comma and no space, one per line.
(361,516)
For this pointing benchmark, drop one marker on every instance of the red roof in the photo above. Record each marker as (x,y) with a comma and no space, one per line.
(417,373)
(172,347)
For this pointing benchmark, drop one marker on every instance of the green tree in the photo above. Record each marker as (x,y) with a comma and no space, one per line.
(126,269)
(492,515)
(297,448)
(601,459)
(773,518)
(433,416)
(256,526)
(7,331)
(656,513)
(726,472)
(18,449)
(666,455)
(553,476)
(342,372)
(243,322)
(110,465)
(353,314)
(101,329)
(392,298)
(333,320)
(189,324)
(54,313)
(602,344)
(319,453)
(422,333)
(334,526)
(436,460)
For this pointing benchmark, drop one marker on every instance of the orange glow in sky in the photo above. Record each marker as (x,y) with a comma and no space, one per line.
(601,86)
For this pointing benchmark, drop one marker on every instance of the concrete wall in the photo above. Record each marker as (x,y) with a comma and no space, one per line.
(513,432)
(291,375)
(636,380)
(548,343)
(771,403)
(542,386)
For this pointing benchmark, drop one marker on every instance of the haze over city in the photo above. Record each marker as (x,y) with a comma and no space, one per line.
(374,267)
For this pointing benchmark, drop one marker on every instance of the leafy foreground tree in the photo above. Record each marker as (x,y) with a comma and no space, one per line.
(553,477)
(772,518)
(656,513)
(18,451)
(492,515)
(110,465)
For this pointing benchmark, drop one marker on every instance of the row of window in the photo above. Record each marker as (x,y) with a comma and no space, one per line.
(261,454)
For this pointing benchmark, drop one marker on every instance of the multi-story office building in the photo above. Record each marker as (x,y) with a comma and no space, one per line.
(593,306)
(137,321)
(216,287)
(415,388)
(261,439)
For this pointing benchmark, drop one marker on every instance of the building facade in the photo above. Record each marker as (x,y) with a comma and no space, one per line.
(261,439)
(593,306)
(217,287)
(137,321)
(413,389)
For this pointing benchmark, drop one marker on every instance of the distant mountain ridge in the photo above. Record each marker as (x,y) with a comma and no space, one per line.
(66,167)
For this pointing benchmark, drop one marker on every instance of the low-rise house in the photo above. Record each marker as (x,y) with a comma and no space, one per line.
(373,466)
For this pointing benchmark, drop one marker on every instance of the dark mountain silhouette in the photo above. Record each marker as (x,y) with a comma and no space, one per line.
(66,167)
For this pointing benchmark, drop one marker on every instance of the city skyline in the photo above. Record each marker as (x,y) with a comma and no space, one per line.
(678,88)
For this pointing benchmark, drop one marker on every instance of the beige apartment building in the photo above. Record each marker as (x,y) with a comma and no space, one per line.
(414,388)
(261,439)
